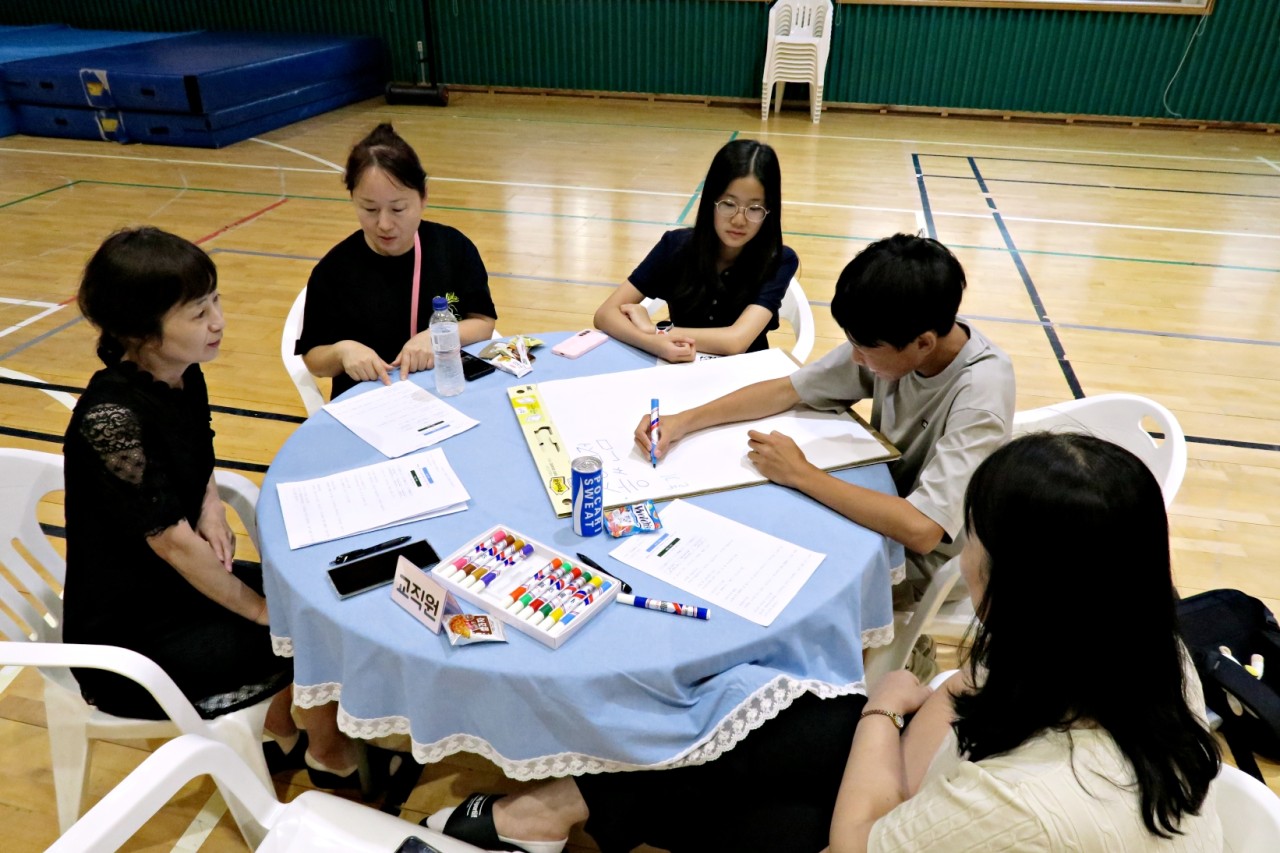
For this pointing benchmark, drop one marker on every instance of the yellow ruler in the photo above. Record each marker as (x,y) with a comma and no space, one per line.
(549,452)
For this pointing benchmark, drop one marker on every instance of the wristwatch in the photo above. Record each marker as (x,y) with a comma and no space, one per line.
(664,326)
(897,718)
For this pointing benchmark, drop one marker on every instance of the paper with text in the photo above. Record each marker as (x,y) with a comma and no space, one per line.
(721,562)
(400,418)
(423,485)
(599,414)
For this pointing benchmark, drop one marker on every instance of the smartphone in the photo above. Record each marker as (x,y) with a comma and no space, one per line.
(473,367)
(576,345)
(379,569)
(414,844)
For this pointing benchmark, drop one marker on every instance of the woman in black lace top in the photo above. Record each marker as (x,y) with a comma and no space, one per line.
(149,552)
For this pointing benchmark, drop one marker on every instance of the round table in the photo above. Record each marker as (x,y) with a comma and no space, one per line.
(633,689)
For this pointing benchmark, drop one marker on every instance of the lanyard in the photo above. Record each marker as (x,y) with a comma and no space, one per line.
(417,280)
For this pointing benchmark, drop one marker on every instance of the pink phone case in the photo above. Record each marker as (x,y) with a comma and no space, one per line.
(584,341)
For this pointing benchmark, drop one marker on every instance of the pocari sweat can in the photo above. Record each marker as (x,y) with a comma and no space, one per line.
(588,495)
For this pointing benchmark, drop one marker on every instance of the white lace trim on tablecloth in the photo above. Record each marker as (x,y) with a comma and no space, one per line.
(897,574)
(762,706)
(874,638)
(282,646)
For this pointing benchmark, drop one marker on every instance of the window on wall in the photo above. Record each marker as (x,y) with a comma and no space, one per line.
(1175,7)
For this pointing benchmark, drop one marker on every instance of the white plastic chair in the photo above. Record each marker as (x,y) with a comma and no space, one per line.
(34,600)
(313,822)
(797,50)
(1250,813)
(794,309)
(308,389)
(1118,418)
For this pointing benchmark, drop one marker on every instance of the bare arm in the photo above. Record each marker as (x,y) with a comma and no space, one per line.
(350,357)
(730,340)
(882,763)
(613,319)
(417,353)
(189,554)
(756,401)
(888,515)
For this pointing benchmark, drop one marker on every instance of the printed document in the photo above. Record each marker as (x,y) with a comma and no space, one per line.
(721,562)
(400,418)
(423,485)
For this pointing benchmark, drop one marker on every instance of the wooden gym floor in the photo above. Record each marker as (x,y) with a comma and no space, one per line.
(1101,258)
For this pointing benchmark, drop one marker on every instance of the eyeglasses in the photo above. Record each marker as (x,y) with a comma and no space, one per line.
(728,208)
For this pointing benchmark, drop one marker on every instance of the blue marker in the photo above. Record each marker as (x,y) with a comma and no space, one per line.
(653,432)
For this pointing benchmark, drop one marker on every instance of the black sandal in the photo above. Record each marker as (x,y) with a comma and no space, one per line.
(472,821)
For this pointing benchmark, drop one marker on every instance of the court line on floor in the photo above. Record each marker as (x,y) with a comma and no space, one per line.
(37,195)
(237,411)
(1086,327)
(172,160)
(1269,163)
(241,221)
(36,435)
(759,132)
(41,337)
(334,166)
(827,303)
(21,324)
(1107,187)
(925,211)
(1055,343)
(588,217)
(1118,165)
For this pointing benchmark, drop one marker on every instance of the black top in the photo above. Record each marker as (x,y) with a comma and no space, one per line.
(357,294)
(139,455)
(138,458)
(661,271)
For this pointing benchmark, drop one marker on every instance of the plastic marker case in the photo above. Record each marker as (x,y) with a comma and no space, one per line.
(558,585)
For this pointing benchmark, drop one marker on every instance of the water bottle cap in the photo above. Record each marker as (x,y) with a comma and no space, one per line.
(439,303)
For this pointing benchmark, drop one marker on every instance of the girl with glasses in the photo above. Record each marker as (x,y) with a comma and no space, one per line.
(724,278)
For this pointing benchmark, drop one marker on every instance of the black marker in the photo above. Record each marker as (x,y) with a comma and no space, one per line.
(372,549)
(626,587)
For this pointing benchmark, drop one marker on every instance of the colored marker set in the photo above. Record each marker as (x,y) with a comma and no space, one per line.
(536,590)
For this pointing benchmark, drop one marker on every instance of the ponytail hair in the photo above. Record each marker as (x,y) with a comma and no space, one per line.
(385,149)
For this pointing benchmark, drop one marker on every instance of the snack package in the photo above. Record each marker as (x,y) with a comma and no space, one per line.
(467,628)
(512,356)
(633,518)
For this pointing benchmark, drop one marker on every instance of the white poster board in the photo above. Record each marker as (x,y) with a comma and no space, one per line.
(598,414)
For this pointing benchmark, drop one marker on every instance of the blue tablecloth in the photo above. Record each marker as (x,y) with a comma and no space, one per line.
(632,689)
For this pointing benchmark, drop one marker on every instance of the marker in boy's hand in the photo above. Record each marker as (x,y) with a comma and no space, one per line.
(673,429)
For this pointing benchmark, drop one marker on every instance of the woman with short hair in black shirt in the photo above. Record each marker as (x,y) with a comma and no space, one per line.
(149,551)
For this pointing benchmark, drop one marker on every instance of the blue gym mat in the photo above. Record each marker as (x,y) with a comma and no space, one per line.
(197,73)
(211,130)
(42,40)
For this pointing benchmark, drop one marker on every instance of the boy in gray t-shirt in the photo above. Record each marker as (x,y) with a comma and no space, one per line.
(942,394)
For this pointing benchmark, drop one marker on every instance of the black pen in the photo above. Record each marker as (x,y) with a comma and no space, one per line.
(626,587)
(372,549)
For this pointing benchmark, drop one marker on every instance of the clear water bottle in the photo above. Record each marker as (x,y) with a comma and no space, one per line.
(447,348)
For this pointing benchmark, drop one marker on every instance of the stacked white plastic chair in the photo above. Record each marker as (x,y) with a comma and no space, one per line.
(799,43)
